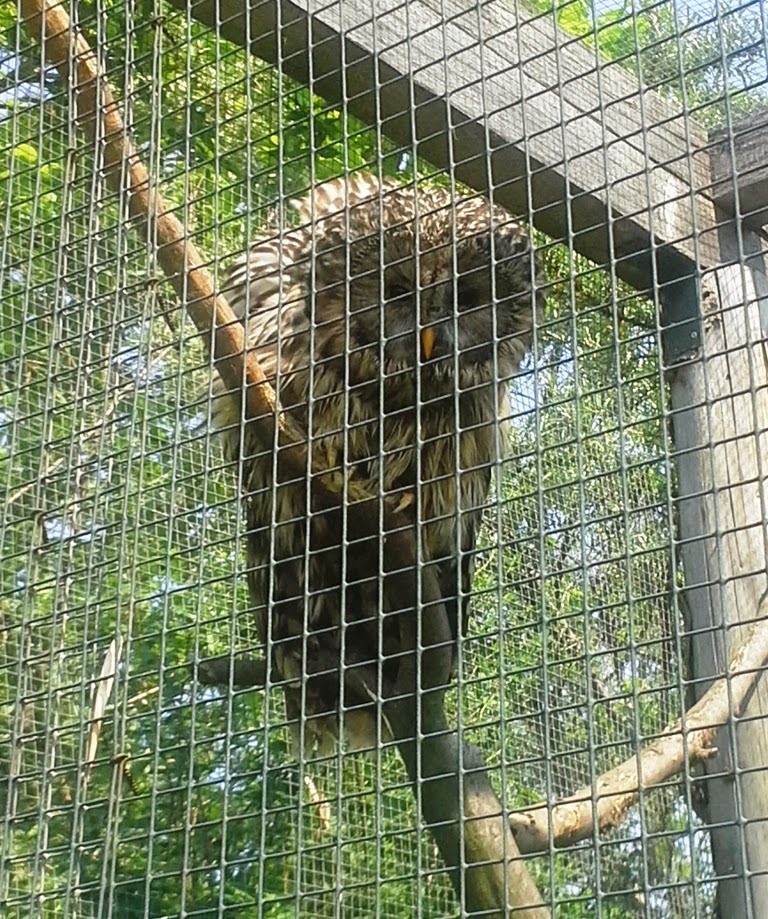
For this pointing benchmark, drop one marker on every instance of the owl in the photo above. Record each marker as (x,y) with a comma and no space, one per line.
(389,321)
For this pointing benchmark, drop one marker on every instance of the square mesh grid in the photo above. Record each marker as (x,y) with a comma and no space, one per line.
(127,788)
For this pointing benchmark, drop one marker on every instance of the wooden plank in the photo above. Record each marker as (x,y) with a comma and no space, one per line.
(592,85)
(618,173)
(720,425)
(739,159)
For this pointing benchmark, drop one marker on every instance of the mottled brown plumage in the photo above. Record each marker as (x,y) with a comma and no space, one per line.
(336,311)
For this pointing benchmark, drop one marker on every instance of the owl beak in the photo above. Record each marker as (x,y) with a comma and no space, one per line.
(427,342)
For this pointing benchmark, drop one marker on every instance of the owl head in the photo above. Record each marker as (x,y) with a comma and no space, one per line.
(413,288)
(418,281)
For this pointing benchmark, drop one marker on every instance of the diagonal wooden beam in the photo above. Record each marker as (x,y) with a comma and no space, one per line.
(505,104)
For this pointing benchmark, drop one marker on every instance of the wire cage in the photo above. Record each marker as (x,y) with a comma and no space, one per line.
(609,672)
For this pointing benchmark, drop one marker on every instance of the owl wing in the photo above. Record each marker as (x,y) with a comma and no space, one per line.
(456,575)
(455,572)
(264,291)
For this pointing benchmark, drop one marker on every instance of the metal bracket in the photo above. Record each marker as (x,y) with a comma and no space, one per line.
(682,329)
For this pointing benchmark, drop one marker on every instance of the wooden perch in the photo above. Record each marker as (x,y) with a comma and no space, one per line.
(449,777)
(475,842)
(605,804)
(98,116)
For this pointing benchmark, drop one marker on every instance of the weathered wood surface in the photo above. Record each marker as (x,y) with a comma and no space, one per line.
(739,158)
(533,114)
(720,424)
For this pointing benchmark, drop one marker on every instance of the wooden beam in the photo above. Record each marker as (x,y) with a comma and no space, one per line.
(508,104)
(739,160)
(720,424)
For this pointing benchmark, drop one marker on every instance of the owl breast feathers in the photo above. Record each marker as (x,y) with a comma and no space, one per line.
(389,322)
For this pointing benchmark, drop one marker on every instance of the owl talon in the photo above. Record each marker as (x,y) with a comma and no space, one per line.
(333,481)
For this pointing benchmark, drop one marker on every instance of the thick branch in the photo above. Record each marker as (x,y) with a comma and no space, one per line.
(99,117)
(450,782)
(449,777)
(605,804)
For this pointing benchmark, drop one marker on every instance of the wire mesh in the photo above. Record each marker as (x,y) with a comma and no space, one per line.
(130,789)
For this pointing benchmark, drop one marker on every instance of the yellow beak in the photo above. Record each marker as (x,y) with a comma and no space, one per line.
(427,342)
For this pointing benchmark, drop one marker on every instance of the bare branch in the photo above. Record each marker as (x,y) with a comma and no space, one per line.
(102,692)
(450,780)
(449,777)
(605,804)
(99,117)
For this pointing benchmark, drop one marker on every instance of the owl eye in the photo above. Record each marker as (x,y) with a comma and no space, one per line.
(473,292)
(393,290)
(466,294)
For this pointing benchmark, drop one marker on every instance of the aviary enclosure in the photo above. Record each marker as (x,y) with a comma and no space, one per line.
(596,743)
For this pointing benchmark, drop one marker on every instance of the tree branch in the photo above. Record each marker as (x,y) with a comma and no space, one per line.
(449,777)
(605,803)
(98,116)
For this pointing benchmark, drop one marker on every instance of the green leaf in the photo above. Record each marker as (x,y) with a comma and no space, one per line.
(26,153)
(7,16)
(49,170)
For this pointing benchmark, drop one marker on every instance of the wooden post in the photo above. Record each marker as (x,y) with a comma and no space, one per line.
(720,426)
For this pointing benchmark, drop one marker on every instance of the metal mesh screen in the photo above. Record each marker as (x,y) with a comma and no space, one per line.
(622,552)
